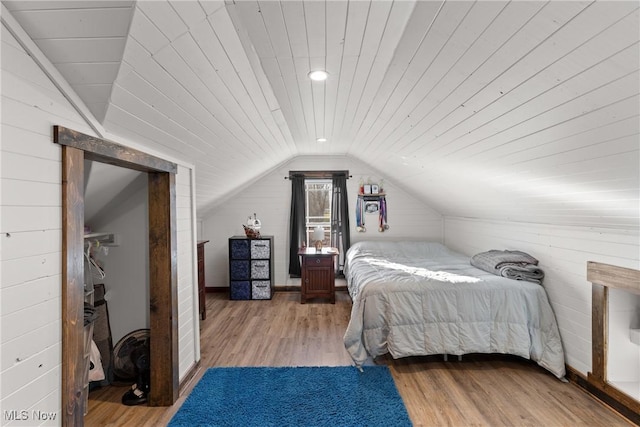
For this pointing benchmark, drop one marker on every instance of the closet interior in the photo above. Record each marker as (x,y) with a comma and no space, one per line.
(116,279)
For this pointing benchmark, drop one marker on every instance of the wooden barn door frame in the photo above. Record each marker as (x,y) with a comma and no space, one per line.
(163,315)
(603,277)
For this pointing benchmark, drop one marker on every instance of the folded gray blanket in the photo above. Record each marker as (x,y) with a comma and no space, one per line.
(512,264)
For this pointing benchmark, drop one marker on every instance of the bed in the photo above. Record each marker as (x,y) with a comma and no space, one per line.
(421,298)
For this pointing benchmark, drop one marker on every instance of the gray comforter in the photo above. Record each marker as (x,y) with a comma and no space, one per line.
(420,298)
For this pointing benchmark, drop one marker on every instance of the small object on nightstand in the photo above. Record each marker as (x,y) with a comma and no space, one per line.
(318,236)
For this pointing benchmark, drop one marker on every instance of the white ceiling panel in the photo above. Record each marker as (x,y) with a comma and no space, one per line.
(191,12)
(524,111)
(89,72)
(83,50)
(84,39)
(75,23)
(55,5)
(164,17)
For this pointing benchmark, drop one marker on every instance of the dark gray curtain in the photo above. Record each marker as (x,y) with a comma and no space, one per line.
(297,223)
(340,237)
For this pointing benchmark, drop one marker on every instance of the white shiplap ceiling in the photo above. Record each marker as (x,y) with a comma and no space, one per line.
(522,110)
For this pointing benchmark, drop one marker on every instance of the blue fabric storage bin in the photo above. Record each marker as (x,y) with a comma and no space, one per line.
(239,270)
(239,249)
(240,290)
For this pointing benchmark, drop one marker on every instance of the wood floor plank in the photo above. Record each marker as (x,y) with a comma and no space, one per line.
(480,390)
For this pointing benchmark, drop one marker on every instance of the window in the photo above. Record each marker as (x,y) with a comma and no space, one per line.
(318,198)
(318,193)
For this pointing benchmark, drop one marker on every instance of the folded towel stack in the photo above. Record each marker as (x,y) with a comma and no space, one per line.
(512,264)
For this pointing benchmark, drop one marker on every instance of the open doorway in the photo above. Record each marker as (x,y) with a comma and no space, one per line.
(116,277)
(76,148)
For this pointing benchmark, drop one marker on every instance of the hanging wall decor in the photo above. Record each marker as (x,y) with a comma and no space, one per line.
(371,200)
(382,216)
(371,204)
(360,215)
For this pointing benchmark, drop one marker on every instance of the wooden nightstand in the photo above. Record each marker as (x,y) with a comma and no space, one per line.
(202,290)
(318,274)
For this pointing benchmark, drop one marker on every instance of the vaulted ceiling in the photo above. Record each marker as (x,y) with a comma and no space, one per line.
(522,111)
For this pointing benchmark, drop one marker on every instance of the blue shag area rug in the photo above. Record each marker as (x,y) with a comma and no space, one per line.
(294,396)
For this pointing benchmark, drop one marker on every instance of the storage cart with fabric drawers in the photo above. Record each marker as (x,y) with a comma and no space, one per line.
(250,268)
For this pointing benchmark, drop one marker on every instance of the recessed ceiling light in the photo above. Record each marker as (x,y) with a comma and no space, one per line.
(321,139)
(318,75)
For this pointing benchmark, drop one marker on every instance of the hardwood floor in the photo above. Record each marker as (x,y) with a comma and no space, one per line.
(480,390)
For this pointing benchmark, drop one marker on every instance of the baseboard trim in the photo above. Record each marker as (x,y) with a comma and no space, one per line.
(216,289)
(184,384)
(610,396)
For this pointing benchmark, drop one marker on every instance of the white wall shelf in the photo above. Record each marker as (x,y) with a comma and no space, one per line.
(104,239)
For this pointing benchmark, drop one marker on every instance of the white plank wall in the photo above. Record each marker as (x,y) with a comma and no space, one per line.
(188,318)
(30,237)
(270,198)
(563,252)
(30,240)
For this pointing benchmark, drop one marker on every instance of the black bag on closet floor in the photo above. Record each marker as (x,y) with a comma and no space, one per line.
(102,336)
